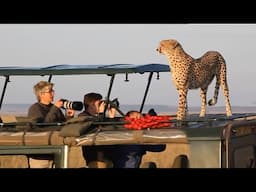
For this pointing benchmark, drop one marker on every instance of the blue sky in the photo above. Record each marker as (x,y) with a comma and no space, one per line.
(51,44)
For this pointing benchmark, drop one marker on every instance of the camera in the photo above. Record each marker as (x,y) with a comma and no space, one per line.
(75,105)
(112,104)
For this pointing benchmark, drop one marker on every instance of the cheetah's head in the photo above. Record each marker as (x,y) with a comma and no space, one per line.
(167,45)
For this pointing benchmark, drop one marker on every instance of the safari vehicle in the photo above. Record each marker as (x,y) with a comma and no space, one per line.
(211,142)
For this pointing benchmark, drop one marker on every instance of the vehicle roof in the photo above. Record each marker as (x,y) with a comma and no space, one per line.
(69,69)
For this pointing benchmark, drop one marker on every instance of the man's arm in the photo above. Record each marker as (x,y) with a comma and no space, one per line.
(42,115)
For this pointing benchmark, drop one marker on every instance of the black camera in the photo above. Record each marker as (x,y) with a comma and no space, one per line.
(112,104)
(75,105)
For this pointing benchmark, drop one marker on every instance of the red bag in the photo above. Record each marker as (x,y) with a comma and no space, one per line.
(148,121)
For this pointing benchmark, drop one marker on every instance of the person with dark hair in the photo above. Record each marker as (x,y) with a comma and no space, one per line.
(44,111)
(107,156)
(97,156)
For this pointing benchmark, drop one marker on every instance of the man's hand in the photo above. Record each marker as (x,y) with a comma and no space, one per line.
(111,112)
(70,112)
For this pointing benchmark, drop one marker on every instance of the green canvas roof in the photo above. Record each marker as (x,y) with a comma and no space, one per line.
(69,69)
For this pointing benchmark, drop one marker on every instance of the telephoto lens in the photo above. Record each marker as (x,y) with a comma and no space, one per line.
(75,105)
(114,103)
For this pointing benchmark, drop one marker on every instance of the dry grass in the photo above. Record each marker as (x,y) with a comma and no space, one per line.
(20,161)
(13,161)
(167,158)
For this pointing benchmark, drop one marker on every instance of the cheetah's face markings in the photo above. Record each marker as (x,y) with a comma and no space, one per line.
(167,45)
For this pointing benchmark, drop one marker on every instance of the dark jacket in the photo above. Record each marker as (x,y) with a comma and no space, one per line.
(41,113)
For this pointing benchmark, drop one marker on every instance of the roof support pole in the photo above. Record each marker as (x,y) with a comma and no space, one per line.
(109,91)
(7,79)
(146,91)
(50,78)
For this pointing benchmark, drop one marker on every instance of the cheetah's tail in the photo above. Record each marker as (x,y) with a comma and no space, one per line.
(219,77)
(212,102)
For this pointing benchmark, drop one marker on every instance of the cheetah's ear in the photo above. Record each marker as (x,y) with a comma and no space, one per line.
(176,44)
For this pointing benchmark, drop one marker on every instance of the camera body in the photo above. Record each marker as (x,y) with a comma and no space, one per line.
(112,104)
(75,105)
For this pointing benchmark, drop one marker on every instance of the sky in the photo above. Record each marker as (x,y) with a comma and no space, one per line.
(52,44)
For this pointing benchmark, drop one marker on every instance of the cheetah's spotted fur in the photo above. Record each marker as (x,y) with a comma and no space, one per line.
(189,73)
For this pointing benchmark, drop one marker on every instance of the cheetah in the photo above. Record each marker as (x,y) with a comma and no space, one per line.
(189,73)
